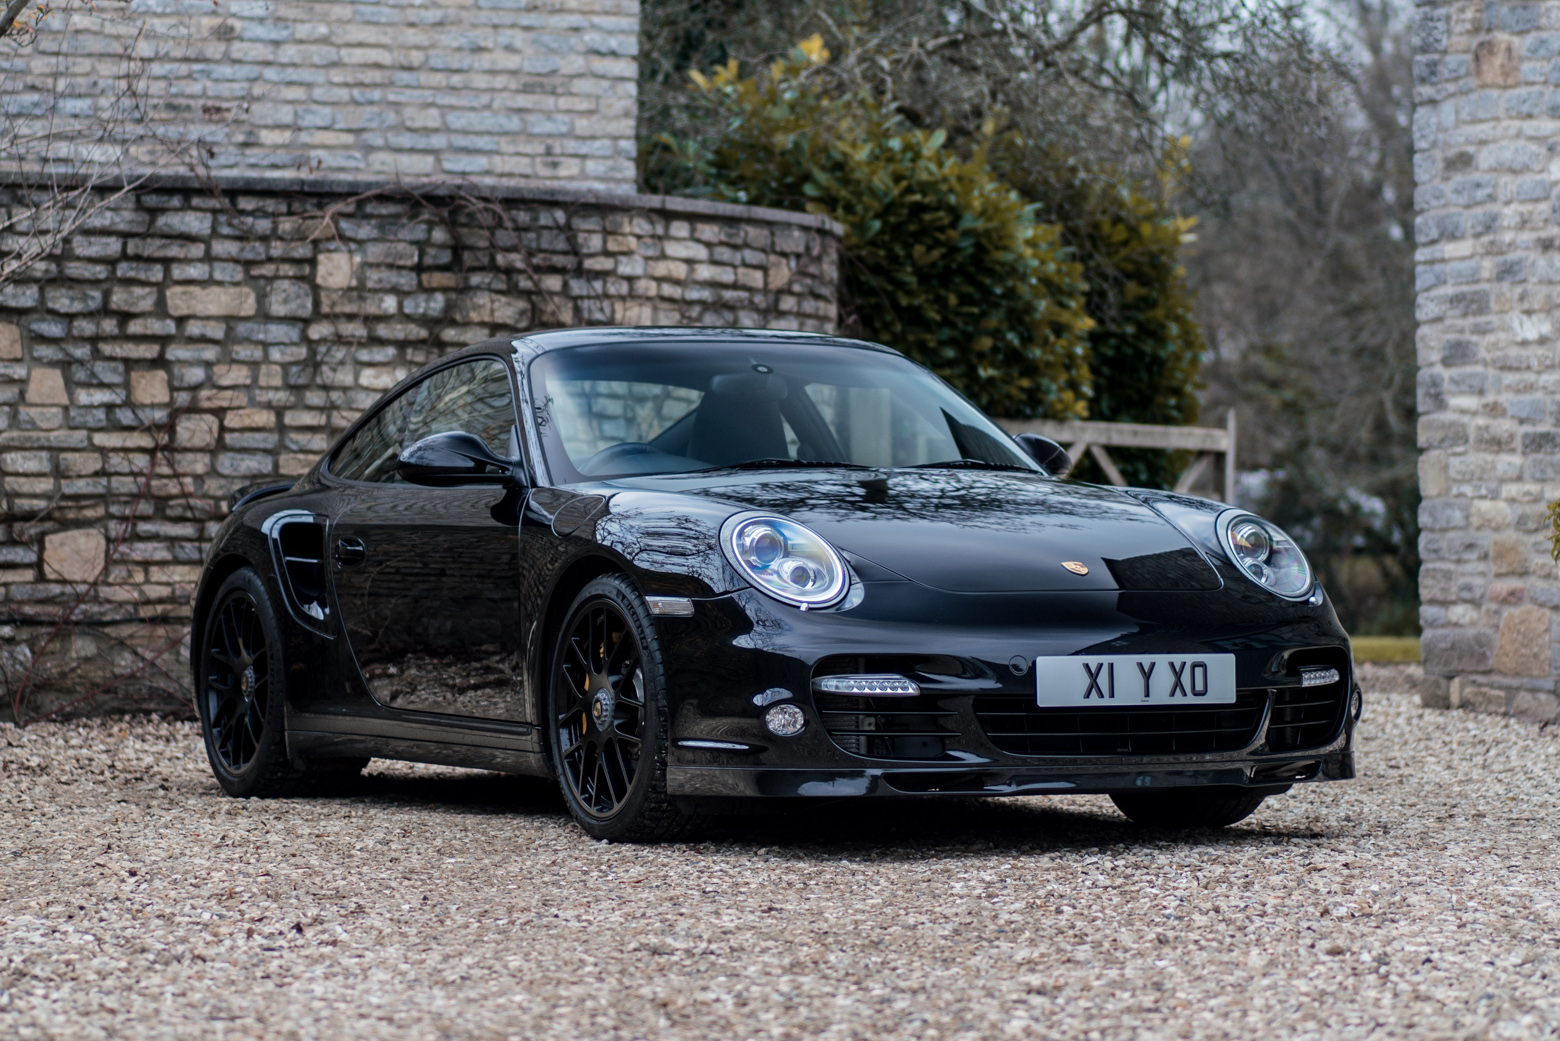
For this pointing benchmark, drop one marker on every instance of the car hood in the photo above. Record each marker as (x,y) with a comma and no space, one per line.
(971,531)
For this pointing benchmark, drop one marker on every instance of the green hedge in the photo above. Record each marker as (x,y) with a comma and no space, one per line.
(943,260)
(1037,287)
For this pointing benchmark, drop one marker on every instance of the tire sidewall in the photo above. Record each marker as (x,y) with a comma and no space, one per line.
(650,773)
(272,745)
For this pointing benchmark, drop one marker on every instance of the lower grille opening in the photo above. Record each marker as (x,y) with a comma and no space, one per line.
(885,728)
(1016,725)
(1304,717)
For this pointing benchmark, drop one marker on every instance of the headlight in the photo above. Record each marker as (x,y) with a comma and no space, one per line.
(785,560)
(1266,554)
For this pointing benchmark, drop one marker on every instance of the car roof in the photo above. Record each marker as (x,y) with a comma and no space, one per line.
(544,341)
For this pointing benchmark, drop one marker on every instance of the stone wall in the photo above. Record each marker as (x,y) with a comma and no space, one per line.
(519,91)
(190,341)
(1487,162)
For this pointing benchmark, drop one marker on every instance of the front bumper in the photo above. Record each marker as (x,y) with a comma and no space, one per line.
(743,645)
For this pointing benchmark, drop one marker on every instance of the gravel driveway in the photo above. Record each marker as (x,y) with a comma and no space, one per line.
(135,901)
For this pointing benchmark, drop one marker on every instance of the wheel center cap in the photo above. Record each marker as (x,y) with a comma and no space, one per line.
(601,707)
(246,682)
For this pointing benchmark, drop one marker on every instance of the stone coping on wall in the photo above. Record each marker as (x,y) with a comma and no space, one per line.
(518,193)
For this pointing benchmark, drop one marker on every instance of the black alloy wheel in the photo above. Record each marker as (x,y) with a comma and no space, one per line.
(238,681)
(239,697)
(608,714)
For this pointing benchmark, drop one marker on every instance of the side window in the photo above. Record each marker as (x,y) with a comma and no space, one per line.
(473,397)
(370,454)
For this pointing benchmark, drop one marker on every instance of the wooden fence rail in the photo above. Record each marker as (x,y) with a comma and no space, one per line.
(1080,436)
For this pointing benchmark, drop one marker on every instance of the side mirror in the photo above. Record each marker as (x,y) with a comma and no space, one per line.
(1050,455)
(453,458)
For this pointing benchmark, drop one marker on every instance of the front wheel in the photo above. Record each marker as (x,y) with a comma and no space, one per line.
(239,698)
(608,719)
(1210,807)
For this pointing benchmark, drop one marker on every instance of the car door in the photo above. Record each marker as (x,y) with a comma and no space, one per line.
(427,579)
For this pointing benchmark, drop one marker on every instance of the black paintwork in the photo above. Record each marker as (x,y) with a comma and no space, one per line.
(420,631)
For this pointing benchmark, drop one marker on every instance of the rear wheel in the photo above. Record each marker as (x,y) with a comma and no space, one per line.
(239,698)
(608,725)
(1190,807)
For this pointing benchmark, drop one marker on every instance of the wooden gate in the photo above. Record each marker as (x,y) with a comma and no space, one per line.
(1079,436)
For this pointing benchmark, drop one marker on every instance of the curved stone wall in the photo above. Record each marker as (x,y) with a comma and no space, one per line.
(191,339)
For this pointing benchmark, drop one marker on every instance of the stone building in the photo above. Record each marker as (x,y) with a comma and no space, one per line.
(1487,164)
(511,91)
(386,182)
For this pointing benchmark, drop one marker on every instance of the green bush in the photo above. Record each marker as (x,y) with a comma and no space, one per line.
(1146,348)
(1037,285)
(943,260)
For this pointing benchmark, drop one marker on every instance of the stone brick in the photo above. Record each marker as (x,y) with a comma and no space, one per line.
(249,419)
(334,270)
(1455,652)
(211,301)
(133,299)
(149,388)
(286,299)
(74,556)
(1508,555)
(46,387)
(196,430)
(1537,706)
(183,223)
(1524,645)
(72,299)
(10,342)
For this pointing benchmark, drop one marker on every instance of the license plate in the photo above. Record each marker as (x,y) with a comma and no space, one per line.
(1126,680)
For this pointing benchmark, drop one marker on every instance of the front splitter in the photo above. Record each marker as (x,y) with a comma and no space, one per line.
(726,782)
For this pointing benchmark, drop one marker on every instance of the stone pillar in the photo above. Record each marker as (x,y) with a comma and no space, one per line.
(1487,165)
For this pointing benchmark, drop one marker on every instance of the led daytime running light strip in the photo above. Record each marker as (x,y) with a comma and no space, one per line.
(876,685)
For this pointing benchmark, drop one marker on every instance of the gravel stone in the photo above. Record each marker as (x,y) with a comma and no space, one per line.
(136,901)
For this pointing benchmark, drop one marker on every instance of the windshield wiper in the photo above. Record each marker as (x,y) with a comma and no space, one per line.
(971,464)
(783,464)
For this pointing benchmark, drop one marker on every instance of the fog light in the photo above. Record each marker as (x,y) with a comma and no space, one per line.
(1357,705)
(785,720)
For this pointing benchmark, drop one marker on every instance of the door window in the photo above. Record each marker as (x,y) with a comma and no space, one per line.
(370,453)
(473,397)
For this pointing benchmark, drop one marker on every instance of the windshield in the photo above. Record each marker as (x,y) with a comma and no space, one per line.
(656,408)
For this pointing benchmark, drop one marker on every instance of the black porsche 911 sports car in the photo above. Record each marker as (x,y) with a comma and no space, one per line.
(682,569)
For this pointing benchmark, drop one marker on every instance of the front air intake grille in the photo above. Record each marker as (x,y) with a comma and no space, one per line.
(1016,725)
(1305,717)
(892,727)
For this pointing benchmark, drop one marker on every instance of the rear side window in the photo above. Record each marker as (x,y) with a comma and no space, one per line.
(473,397)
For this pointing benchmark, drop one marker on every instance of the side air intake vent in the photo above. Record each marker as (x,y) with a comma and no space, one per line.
(298,543)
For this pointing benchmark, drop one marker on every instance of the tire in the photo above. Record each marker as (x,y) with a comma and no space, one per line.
(607,718)
(1190,807)
(239,698)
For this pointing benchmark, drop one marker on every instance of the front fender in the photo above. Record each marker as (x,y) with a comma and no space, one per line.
(671,541)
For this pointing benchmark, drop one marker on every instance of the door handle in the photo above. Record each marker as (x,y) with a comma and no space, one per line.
(350,551)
